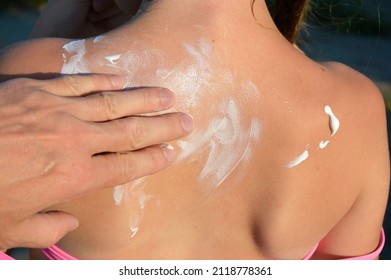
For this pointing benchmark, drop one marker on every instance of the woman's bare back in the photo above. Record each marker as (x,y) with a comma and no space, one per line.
(286,152)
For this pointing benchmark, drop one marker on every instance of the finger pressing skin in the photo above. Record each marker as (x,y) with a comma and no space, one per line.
(135,133)
(81,85)
(110,105)
(116,169)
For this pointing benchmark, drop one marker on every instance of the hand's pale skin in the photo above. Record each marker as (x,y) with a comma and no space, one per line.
(58,141)
(83,18)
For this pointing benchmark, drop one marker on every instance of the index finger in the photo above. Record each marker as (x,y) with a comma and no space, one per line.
(106,106)
(82,85)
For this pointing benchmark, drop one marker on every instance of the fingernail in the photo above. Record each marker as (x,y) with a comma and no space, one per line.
(187,123)
(117,82)
(166,98)
(168,152)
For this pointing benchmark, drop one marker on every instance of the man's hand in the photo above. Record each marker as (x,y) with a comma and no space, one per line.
(59,140)
(83,18)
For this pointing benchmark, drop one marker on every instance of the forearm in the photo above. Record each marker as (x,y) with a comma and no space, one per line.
(24,59)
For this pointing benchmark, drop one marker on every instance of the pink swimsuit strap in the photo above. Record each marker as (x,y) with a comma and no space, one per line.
(4,256)
(55,253)
(370,256)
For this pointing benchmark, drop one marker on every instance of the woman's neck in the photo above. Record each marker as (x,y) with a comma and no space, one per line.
(222,17)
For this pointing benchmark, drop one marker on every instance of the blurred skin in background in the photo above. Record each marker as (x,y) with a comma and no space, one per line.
(89,17)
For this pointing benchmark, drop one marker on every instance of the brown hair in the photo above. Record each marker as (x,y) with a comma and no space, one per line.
(288,16)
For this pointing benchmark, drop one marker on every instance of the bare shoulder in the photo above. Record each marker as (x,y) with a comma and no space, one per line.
(365,114)
(31,58)
(356,86)
(363,141)
(361,100)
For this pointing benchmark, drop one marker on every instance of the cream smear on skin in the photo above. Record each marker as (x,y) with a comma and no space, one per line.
(334,122)
(133,192)
(226,140)
(73,57)
(323,144)
(299,159)
(334,125)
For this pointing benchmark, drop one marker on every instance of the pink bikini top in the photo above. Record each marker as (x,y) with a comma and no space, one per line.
(370,256)
(55,253)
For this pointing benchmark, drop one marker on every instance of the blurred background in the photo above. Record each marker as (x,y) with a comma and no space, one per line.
(354,32)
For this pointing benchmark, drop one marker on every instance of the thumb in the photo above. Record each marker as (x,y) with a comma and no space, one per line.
(45,229)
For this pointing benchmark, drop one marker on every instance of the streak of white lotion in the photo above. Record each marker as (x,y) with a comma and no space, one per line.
(323,144)
(113,59)
(299,159)
(98,39)
(135,64)
(334,122)
(134,231)
(74,58)
(136,191)
(227,135)
(225,139)
(246,155)
(229,145)
(118,194)
(192,77)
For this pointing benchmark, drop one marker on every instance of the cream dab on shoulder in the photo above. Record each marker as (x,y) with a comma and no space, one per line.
(323,144)
(334,121)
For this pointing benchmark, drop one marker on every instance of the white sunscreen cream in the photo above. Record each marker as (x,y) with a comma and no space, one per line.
(334,122)
(299,159)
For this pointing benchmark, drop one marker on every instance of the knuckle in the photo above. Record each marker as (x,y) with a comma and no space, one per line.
(42,101)
(69,84)
(76,175)
(62,130)
(137,133)
(108,104)
(26,82)
(22,87)
(79,135)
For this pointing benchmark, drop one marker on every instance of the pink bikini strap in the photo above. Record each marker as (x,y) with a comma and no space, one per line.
(4,256)
(55,253)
